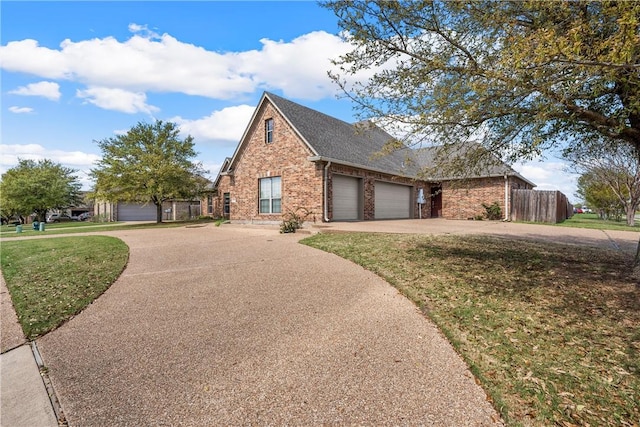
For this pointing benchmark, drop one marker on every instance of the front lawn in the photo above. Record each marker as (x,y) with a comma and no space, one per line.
(551,331)
(9,231)
(51,280)
(586,220)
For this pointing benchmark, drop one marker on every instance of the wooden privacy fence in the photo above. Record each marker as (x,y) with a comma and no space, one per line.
(539,206)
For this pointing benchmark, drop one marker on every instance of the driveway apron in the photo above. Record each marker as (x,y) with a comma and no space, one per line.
(240,326)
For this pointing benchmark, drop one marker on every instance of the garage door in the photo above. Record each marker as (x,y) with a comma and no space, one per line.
(136,212)
(393,201)
(346,198)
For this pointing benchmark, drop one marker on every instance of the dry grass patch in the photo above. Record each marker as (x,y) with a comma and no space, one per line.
(551,331)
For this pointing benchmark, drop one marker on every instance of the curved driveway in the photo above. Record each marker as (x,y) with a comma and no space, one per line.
(225,325)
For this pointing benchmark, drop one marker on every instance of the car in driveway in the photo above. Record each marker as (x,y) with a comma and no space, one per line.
(61,218)
(85,216)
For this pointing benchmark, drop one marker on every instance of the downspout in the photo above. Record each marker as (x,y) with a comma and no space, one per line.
(326,194)
(506,198)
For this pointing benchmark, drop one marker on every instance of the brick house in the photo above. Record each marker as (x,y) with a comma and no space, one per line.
(292,157)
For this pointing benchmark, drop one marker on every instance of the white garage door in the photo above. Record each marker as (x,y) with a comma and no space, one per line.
(346,198)
(136,212)
(393,201)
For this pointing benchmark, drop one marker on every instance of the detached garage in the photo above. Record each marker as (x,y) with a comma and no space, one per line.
(392,201)
(136,212)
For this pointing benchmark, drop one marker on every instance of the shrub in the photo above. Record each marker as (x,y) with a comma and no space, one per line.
(293,220)
(493,211)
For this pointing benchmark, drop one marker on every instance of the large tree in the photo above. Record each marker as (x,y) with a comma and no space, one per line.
(616,167)
(34,187)
(148,164)
(521,77)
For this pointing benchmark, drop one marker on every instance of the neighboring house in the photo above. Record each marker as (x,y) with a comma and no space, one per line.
(131,211)
(292,157)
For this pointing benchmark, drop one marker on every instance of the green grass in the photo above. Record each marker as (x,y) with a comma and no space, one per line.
(7,231)
(51,280)
(586,220)
(551,331)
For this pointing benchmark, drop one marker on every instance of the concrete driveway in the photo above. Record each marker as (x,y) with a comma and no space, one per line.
(244,326)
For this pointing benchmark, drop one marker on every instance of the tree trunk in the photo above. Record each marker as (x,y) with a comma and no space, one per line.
(158,212)
(631,215)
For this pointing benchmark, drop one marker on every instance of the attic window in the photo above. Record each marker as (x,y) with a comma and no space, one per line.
(268,131)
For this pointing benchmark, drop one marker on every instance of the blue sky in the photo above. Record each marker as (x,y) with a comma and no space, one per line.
(73,73)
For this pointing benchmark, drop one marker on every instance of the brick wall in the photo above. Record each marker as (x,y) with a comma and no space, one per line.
(463,200)
(286,157)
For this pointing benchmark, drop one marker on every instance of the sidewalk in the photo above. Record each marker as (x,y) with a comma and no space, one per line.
(23,396)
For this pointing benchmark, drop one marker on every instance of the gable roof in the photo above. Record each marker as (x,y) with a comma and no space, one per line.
(223,168)
(360,145)
(340,142)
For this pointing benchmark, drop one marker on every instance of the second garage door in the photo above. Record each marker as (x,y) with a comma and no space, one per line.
(393,201)
(136,212)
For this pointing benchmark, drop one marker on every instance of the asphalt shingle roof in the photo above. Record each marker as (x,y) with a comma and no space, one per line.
(363,144)
(335,139)
(486,165)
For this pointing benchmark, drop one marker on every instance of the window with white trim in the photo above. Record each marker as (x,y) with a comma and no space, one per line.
(268,131)
(270,195)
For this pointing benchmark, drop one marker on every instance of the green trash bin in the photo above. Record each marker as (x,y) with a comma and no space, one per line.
(19,228)
(41,225)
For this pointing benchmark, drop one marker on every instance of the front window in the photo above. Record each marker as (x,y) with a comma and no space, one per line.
(268,131)
(226,204)
(270,196)
(210,204)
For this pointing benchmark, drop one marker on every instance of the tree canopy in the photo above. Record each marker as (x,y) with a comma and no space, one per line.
(521,77)
(599,197)
(36,187)
(612,170)
(148,164)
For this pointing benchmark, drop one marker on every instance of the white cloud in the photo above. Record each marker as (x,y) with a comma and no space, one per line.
(550,175)
(27,56)
(10,153)
(49,90)
(20,110)
(227,124)
(161,63)
(298,67)
(80,161)
(117,100)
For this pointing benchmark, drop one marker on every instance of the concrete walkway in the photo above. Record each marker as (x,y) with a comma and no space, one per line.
(24,399)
